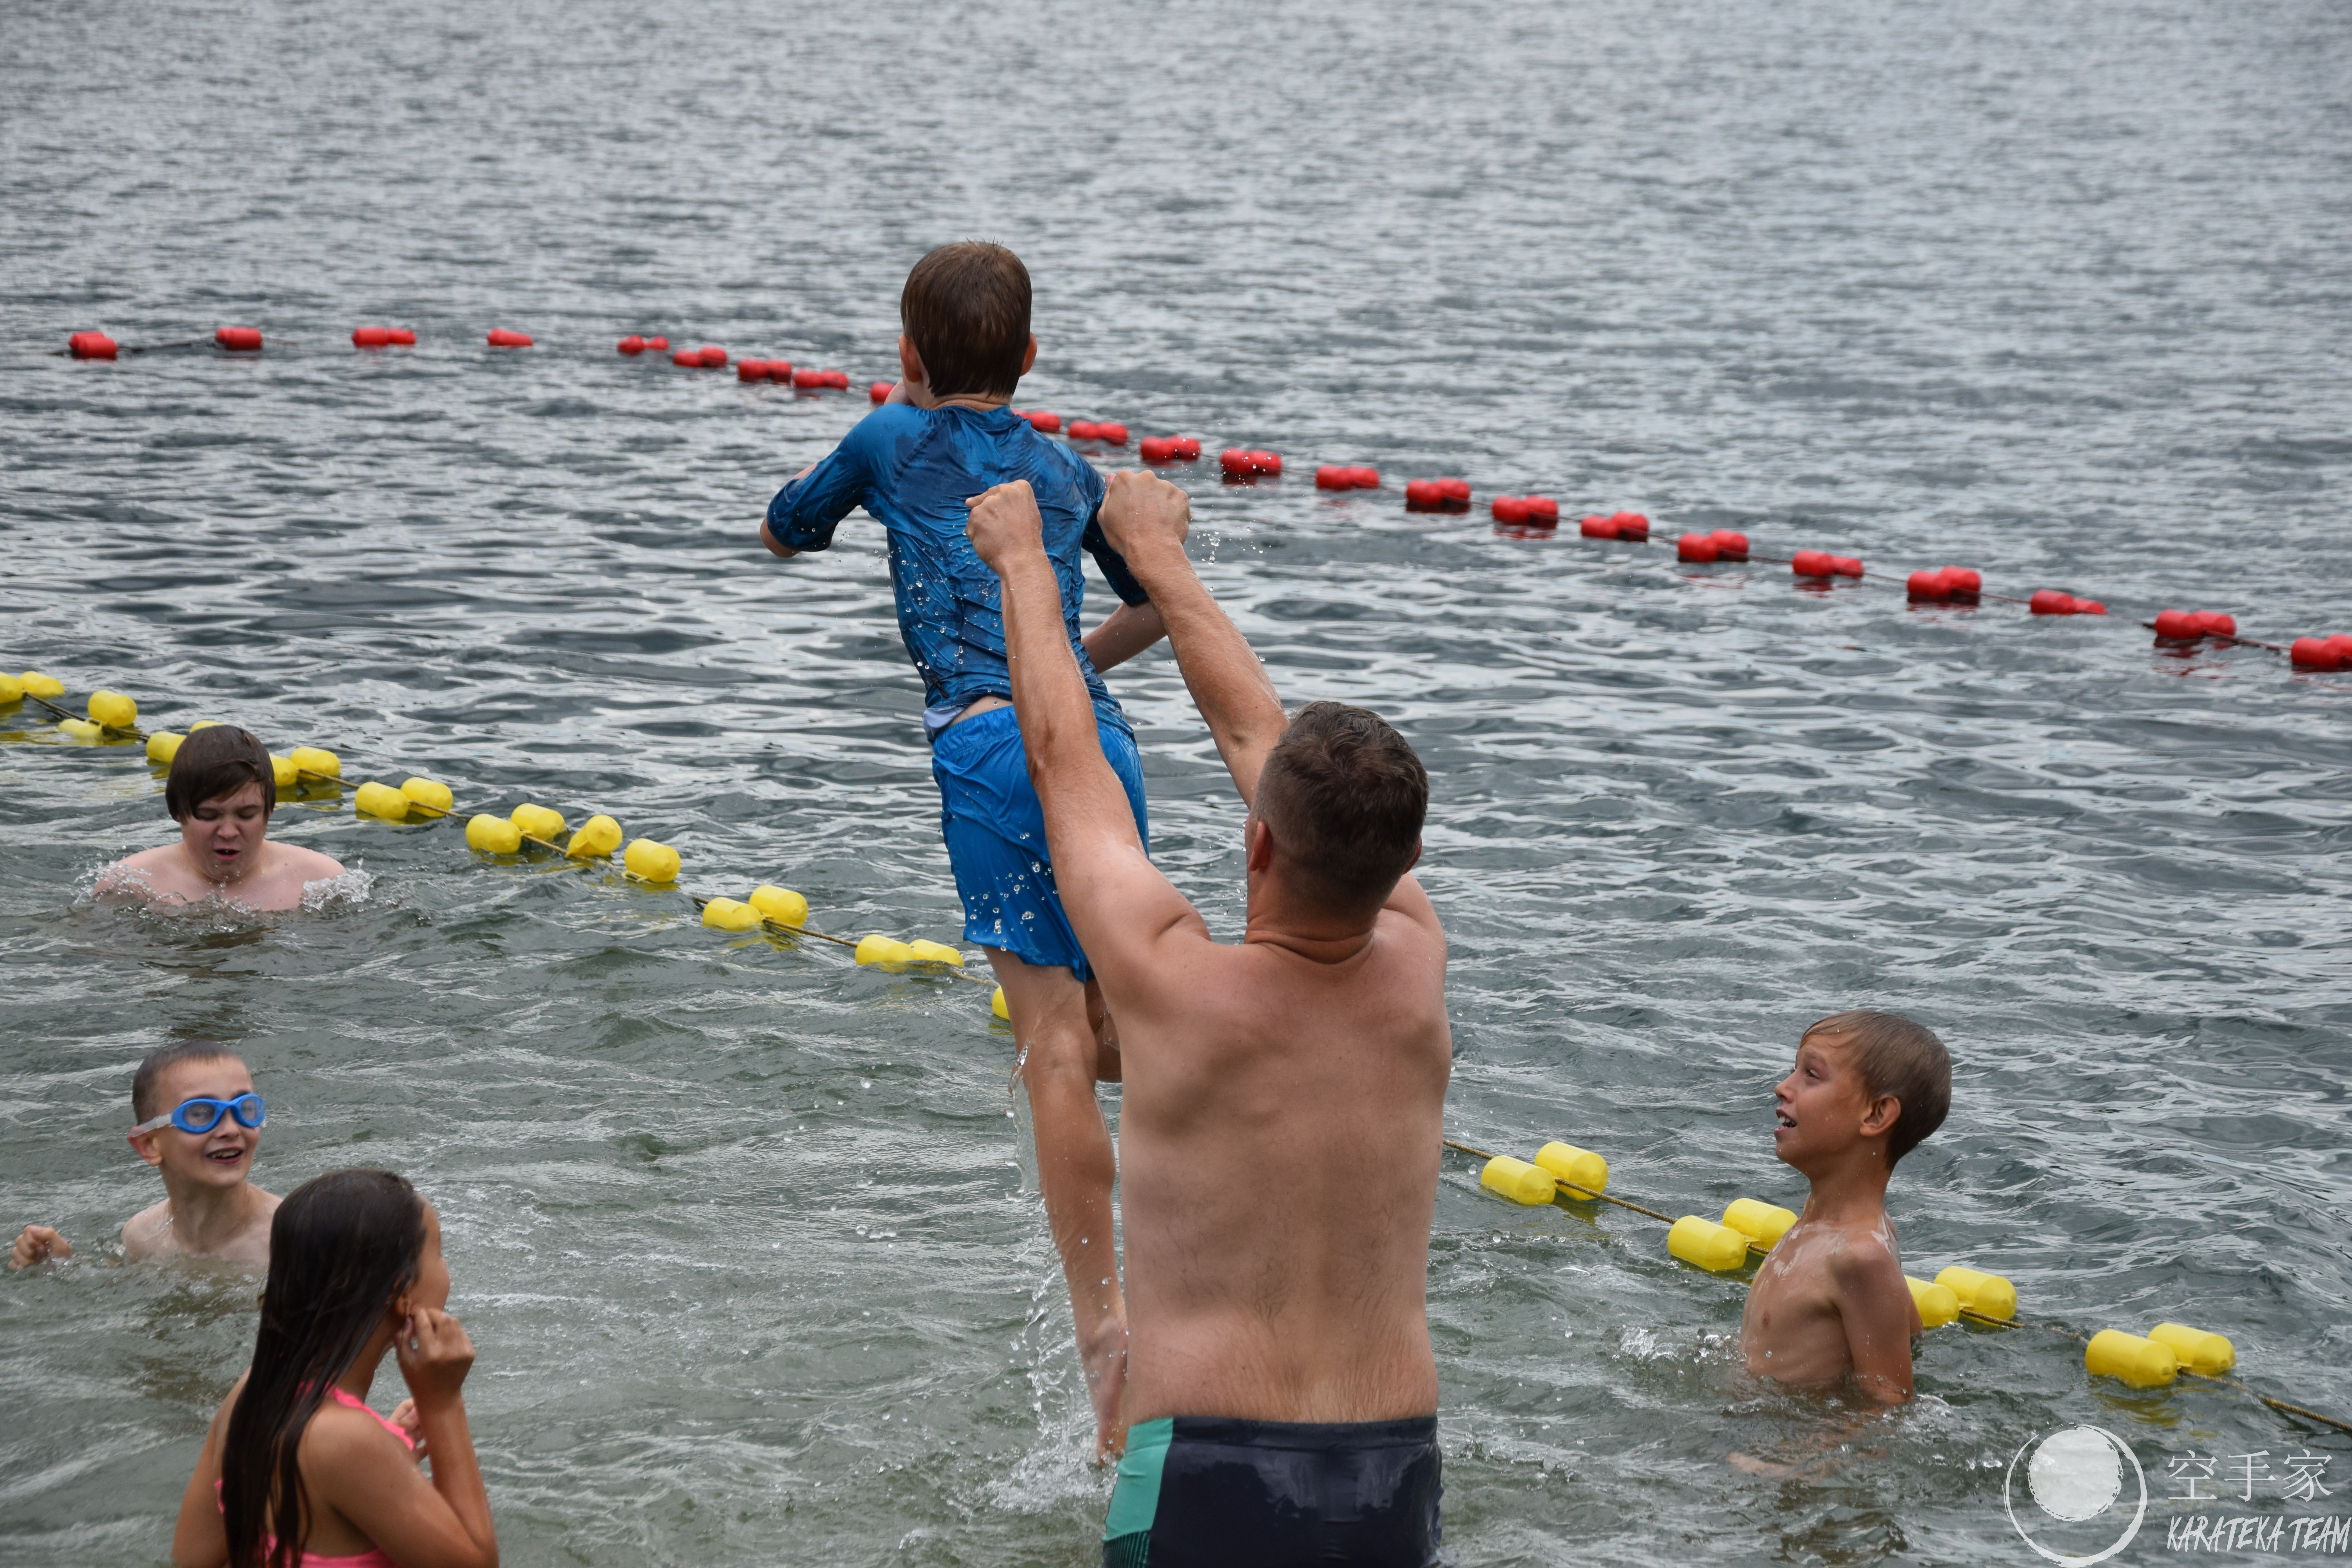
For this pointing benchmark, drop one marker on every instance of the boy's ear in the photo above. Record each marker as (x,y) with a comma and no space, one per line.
(1258,846)
(143,1145)
(911,363)
(1029,360)
(1881,1115)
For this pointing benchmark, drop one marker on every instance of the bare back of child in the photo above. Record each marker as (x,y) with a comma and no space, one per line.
(221,790)
(1829,1303)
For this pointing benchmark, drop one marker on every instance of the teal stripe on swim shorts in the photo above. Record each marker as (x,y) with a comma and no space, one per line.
(1135,1496)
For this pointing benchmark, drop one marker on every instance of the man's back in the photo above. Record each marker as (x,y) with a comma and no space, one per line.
(1279,1135)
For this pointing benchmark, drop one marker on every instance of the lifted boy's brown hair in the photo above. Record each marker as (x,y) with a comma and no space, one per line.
(966,306)
(1902,1058)
(142,1082)
(217,760)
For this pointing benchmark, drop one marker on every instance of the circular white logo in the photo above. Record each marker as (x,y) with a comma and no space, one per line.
(2075,1485)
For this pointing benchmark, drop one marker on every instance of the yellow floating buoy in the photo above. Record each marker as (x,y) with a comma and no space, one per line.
(2207,1354)
(779,904)
(82,728)
(1761,1223)
(996,1005)
(1987,1293)
(163,746)
(425,793)
(935,953)
(598,837)
(492,834)
(2142,1364)
(1516,1180)
(11,691)
(113,710)
(204,725)
(1717,1249)
(282,770)
(381,800)
(729,914)
(1574,1166)
(1936,1304)
(36,684)
(538,822)
(880,949)
(650,860)
(309,759)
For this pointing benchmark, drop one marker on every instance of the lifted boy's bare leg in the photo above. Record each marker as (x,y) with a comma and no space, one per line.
(1061,1054)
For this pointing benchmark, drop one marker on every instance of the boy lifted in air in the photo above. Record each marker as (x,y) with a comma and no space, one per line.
(199,1123)
(944,437)
(220,792)
(1830,1301)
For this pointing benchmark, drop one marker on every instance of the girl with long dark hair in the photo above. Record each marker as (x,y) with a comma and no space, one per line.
(297,1471)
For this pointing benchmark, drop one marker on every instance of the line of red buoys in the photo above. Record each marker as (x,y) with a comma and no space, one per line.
(1513,515)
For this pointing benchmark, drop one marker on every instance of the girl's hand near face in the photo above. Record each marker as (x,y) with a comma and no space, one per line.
(435,1356)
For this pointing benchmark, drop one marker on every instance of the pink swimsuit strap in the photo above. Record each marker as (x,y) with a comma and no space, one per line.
(375,1556)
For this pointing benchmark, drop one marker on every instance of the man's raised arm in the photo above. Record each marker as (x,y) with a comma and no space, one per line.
(1146,519)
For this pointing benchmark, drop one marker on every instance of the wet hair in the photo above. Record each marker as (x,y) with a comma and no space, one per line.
(341,1248)
(157,1062)
(1346,798)
(1897,1056)
(217,760)
(966,306)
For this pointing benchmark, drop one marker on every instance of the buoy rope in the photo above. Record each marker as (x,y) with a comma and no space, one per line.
(1970,1313)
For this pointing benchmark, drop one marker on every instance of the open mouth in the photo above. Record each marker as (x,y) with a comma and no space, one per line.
(1783,1122)
(228,1156)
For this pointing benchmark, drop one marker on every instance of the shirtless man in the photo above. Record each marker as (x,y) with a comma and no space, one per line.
(1830,1302)
(220,792)
(1279,1135)
(199,1123)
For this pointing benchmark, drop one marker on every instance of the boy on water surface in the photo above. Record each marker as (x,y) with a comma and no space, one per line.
(220,790)
(1829,1302)
(1281,1116)
(945,435)
(199,1123)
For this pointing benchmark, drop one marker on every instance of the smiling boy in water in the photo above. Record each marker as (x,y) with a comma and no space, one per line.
(1830,1301)
(221,790)
(199,1123)
(944,437)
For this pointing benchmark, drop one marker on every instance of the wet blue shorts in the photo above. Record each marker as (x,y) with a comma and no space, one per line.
(995,833)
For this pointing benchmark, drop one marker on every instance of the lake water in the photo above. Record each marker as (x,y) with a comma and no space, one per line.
(748,1239)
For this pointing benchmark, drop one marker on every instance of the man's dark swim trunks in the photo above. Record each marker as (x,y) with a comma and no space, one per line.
(1211,1491)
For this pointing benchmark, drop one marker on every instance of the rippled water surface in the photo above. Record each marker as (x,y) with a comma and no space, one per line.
(747,1237)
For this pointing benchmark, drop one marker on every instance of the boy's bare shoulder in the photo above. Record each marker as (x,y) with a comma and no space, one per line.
(309,864)
(147,1234)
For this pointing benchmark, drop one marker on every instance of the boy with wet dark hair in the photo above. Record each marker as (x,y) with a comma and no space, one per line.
(945,435)
(197,1121)
(1830,1301)
(220,790)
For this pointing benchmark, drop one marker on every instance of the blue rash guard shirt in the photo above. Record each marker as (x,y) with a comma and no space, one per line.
(913,470)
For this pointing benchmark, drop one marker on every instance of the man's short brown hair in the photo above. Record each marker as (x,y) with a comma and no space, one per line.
(1902,1058)
(217,760)
(966,306)
(1345,797)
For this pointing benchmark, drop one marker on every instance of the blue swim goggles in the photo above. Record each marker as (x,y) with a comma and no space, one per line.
(202,1114)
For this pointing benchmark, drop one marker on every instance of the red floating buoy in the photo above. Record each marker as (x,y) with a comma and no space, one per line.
(400,337)
(1045,421)
(633,344)
(688,359)
(91,345)
(1158,449)
(1598,527)
(1845,565)
(1110,433)
(1543,513)
(1699,547)
(781,370)
(1248,463)
(2213,624)
(2089,607)
(2048,602)
(658,345)
(503,337)
(2178,626)
(1631,525)
(713,356)
(371,337)
(880,391)
(751,370)
(1729,544)
(1456,492)
(2316,653)
(1813,563)
(1511,511)
(806,379)
(1422,495)
(837,379)
(1963,582)
(238,340)
(1082,429)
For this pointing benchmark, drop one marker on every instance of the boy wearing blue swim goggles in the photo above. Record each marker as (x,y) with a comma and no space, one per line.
(198,1123)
